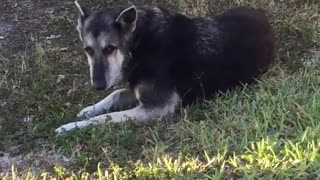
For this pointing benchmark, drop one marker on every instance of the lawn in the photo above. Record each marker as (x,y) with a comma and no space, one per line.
(269,130)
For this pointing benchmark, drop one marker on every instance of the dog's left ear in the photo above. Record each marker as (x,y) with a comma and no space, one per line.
(83,14)
(128,18)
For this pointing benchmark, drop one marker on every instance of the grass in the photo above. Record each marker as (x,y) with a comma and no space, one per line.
(269,130)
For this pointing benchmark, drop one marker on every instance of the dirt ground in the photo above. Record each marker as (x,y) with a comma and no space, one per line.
(20,20)
(21,23)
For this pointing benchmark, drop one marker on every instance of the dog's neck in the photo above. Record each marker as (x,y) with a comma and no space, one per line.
(151,22)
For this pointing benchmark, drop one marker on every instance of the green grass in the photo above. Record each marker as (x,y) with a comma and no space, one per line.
(269,130)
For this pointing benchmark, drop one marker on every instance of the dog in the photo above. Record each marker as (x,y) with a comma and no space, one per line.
(167,59)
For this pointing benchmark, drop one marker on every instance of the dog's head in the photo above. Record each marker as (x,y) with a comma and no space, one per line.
(105,35)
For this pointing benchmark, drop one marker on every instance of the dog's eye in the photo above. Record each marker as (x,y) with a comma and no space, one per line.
(109,49)
(89,50)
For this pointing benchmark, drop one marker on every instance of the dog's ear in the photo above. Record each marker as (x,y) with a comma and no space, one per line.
(83,14)
(80,9)
(128,18)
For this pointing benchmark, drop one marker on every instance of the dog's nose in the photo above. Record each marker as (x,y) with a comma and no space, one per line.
(99,85)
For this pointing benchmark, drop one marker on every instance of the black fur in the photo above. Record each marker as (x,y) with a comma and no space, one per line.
(199,56)
(195,57)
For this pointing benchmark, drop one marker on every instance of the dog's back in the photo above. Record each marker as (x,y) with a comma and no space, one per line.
(199,56)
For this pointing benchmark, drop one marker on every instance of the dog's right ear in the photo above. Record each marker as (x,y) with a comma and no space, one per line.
(83,14)
(128,18)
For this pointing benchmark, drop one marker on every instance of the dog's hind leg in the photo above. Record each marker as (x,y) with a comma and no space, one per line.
(116,99)
(138,114)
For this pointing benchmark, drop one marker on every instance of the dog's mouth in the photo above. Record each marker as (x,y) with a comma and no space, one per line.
(103,85)
(109,80)
(99,85)
(121,84)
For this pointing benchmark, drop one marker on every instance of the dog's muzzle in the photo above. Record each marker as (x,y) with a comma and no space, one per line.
(99,84)
(98,76)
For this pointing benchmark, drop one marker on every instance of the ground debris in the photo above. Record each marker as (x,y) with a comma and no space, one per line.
(53,37)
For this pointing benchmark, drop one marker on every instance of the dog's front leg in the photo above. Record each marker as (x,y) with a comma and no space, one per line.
(117,98)
(137,114)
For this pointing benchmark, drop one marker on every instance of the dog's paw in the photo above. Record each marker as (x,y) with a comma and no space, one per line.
(88,112)
(65,128)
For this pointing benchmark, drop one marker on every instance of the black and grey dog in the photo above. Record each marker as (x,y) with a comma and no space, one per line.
(168,59)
